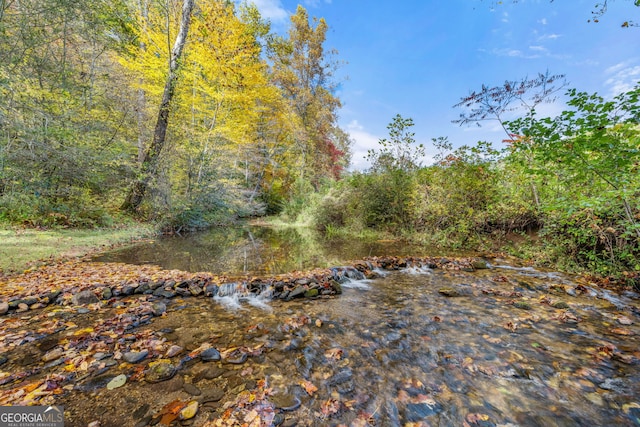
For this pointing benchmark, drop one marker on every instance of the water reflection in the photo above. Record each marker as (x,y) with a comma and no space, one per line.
(253,250)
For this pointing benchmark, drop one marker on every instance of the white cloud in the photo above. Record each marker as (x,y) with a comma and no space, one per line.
(512,53)
(543,21)
(538,48)
(549,37)
(363,142)
(272,10)
(623,77)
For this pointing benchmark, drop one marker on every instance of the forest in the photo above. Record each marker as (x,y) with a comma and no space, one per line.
(189,115)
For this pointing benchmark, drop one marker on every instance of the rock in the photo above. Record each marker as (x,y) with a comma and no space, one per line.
(3,359)
(449,292)
(213,395)
(4,307)
(237,359)
(337,287)
(128,290)
(311,293)
(164,293)
(117,382)
(286,402)
(213,373)
(523,305)
(142,288)
(211,290)
(194,289)
(160,370)
(54,354)
(297,292)
(174,350)
(135,356)
(191,389)
(419,411)
(158,308)
(84,298)
(210,355)
(22,307)
(36,306)
(479,264)
(189,411)
(343,376)
(83,310)
(106,293)
(15,303)
(560,304)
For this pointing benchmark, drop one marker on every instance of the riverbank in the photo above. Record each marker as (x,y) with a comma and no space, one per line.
(22,249)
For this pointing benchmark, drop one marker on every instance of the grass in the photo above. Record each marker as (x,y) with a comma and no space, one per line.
(21,249)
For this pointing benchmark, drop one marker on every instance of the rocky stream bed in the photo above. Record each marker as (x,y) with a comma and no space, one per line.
(384,341)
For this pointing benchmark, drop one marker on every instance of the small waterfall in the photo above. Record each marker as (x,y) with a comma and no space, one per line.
(350,277)
(231,295)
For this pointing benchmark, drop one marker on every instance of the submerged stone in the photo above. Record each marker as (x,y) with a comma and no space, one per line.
(135,356)
(160,370)
(286,402)
(210,355)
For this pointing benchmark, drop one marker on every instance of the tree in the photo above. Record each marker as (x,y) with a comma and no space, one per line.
(595,147)
(304,72)
(400,151)
(599,9)
(496,103)
(150,161)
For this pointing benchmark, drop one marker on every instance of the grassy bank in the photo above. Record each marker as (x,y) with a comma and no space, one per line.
(24,248)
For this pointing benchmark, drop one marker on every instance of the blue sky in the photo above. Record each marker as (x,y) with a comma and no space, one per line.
(417,58)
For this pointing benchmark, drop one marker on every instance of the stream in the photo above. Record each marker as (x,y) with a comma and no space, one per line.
(505,345)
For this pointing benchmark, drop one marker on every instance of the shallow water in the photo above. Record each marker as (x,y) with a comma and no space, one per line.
(518,346)
(253,250)
(394,351)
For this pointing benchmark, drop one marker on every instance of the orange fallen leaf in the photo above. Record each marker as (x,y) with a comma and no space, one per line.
(308,387)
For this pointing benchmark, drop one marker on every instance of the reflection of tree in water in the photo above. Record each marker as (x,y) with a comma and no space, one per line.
(241,251)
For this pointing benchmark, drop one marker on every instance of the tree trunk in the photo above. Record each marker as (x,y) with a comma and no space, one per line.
(149,166)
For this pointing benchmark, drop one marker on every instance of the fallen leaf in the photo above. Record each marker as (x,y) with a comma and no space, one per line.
(308,387)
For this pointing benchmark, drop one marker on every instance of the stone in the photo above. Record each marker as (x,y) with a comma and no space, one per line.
(117,382)
(211,290)
(194,289)
(210,355)
(84,298)
(135,356)
(174,350)
(286,402)
(449,292)
(297,292)
(191,389)
(311,293)
(158,308)
(22,307)
(237,359)
(480,264)
(337,287)
(54,354)
(560,304)
(106,293)
(4,307)
(523,305)
(128,290)
(189,411)
(213,395)
(419,411)
(3,359)
(160,370)
(342,376)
